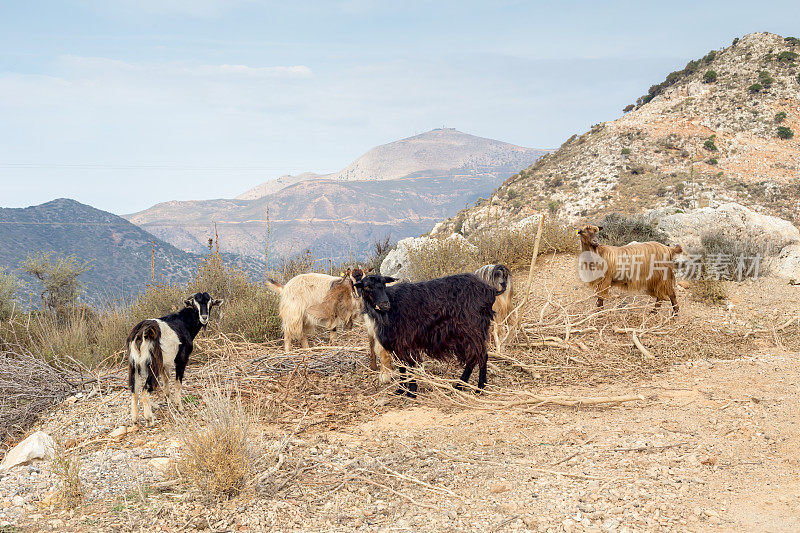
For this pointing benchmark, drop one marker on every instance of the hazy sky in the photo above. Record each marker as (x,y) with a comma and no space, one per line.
(122,104)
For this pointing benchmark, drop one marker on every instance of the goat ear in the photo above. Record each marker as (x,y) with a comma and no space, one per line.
(189,302)
(370,269)
(388,279)
(599,228)
(217,302)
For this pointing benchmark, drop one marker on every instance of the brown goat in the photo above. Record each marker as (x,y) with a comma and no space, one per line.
(313,299)
(647,267)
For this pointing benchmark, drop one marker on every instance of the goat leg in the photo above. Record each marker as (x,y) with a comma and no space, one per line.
(134,408)
(407,387)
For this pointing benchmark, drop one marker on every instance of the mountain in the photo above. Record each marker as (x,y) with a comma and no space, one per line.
(439,152)
(399,189)
(120,252)
(710,133)
(274,185)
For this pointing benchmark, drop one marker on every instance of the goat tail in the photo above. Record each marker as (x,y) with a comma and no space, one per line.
(274,286)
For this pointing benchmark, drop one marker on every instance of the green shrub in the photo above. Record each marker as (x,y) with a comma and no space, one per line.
(787,56)
(626,151)
(755,88)
(712,161)
(765,79)
(785,132)
(709,57)
(58,276)
(710,76)
(553,206)
(619,230)
(735,40)
(792,40)
(780,116)
(710,145)
(798,77)
(511,193)
(8,286)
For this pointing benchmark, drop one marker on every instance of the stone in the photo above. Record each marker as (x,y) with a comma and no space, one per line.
(39,445)
(118,432)
(734,220)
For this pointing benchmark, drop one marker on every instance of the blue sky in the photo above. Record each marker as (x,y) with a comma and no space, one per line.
(122,104)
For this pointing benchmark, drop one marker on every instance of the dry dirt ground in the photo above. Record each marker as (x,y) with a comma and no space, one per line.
(712,445)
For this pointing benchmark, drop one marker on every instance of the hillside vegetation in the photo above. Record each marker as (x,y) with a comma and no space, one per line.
(721,129)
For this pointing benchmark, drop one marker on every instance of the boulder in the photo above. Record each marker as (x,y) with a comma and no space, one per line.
(733,220)
(39,445)
(787,263)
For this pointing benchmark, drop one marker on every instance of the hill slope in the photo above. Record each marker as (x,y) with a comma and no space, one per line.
(399,189)
(696,139)
(119,251)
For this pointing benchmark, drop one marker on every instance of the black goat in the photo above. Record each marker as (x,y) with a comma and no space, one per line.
(157,346)
(445,317)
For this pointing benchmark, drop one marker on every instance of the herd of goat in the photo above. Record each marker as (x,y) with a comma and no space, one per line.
(449,317)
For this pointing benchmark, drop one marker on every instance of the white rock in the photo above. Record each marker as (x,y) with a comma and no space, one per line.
(120,431)
(787,263)
(39,445)
(18,501)
(731,219)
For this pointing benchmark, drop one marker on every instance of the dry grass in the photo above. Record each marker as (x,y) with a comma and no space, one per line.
(440,258)
(709,290)
(69,490)
(218,454)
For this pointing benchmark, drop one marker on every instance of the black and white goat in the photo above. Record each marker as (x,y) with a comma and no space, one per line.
(445,317)
(158,346)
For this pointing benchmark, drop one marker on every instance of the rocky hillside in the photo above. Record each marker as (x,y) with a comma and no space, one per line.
(120,252)
(724,128)
(399,190)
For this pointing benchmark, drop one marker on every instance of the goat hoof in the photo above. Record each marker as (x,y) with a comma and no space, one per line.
(402,391)
(385,377)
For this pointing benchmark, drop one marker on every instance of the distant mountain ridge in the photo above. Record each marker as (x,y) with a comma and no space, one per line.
(120,252)
(398,189)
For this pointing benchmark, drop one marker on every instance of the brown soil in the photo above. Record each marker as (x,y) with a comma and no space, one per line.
(714,444)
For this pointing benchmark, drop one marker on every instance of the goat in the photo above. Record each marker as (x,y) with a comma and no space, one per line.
(647,267)
(444,317)
(499,277)
(157,346)
(314,299)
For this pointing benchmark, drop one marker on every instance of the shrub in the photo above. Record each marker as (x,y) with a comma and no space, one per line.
(69,490)
(785,132)
(709,290)
(58,276)
(553,206)
(735,40)
(709,57)
(710,76)
(626,151)
(765,79)
(710,145)
(511,193)
(792,40)
(755,88)
(798,77)
(787,56)
(629,107)
(726,257)
(780,116)
(712,161)
(514,247)
(217,454)
(441,257)
(619,230)
(380,249)
(8,285)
